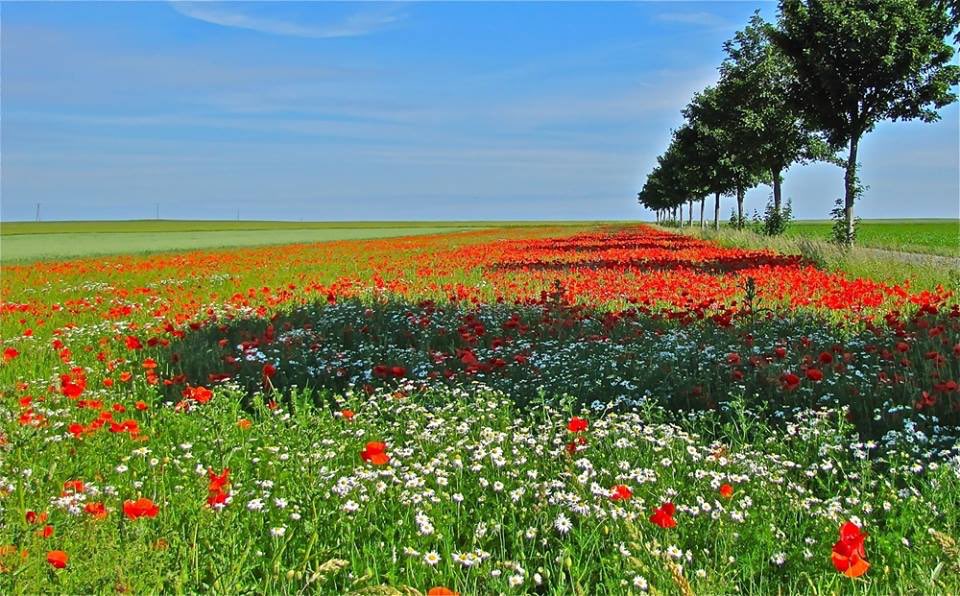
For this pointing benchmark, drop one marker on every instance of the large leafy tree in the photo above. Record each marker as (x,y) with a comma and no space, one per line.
(756,73)
(709,165)
(667,187)
(714,114)
(859,62)
(953,9)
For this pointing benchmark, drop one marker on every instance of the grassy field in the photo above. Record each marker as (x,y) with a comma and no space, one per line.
(176,225)
(922,270)
(30,241)
(27,241)
(525,410)
(33,247)
(930,236)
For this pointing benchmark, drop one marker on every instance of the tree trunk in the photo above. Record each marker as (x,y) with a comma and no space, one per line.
(850,187)
(716,211)
(775,172)
(690,215)
(703,201)
(739,207)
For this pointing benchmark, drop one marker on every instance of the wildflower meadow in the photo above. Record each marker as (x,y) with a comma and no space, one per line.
(526,410)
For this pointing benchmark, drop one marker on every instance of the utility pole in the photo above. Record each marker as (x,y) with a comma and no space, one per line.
(38,211)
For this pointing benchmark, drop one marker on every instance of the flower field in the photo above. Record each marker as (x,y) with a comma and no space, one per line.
(547,410)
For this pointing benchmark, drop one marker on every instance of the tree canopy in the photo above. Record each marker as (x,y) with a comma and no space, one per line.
(804,89)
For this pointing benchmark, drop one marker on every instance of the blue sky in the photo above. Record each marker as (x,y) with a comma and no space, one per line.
(327,111)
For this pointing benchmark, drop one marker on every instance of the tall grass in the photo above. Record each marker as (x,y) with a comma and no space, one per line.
(891,267)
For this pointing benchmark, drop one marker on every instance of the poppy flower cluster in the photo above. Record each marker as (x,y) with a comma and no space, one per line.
(601,321)
(375,453)
(849,555)
(58,559)
(142,507)
(218,487)
(578,426)
(663,516)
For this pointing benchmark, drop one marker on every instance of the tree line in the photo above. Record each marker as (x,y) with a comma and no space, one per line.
(805,89)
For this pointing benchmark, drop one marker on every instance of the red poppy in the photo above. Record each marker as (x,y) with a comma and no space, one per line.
(96,510)
(790,381)
(141,405)
(575,445)
(441,591)
(142,507)
(218,482)
(848,554)
(375,452)
(621,492)
(814,374)
(70,389)
(75,486)
(347,414)
(663,516)
(57,558)
(577,424)
(199,394)
(33,517)
(219,498)
(45,532)
(269,370)
(726,491)
(9,354)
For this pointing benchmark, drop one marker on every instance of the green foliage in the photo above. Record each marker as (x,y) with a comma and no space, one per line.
(350,528)
(840,233)
(859,62)
(810,240)
(715,115)
(774,221)
(736,221)
(937,237)
(679,174)
(805,89)
(756,73)
(22,247)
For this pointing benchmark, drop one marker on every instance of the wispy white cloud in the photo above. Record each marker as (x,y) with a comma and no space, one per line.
(701,18)
(238,15)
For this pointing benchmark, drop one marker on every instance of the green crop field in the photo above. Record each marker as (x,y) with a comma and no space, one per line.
(30,241)
(931,236)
